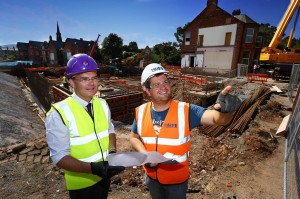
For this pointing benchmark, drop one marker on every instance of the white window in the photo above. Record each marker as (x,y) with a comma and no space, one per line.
(187,38)
(249,35)
(52,56)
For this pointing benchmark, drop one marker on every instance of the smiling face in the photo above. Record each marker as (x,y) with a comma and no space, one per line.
(160,89)
(85,85)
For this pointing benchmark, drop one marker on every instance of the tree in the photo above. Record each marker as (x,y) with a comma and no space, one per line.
(179,34)
(112,47)
(133,47)
(97,55)
(268,32)
(130,50)
(166,53)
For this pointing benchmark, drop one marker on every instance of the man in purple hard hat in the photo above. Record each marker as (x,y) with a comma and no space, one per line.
(80,133)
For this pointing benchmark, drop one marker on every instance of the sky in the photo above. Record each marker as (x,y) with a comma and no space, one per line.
(147,22)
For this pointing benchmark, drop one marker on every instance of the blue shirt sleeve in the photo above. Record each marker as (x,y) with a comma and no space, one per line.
(134,127)
(195,114)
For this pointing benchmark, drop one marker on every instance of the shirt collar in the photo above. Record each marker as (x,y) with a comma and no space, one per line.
(80,101)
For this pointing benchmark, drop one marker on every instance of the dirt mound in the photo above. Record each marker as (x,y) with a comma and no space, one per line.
(18,115)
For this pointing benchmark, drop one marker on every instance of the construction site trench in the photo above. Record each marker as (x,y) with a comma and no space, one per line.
(240,160)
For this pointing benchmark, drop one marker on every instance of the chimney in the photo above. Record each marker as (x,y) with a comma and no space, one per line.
(236,12)
(212,2)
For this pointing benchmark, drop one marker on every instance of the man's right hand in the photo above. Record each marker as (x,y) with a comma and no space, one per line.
(100,168)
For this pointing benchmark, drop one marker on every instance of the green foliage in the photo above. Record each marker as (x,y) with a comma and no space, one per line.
(166,53)
(130,50)
(268,31)
(112,46)
(133,47)
(97,55)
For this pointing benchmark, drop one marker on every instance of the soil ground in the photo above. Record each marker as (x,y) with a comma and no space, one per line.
(243,166)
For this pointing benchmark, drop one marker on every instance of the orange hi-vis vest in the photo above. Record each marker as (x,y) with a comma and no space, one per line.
(174,138)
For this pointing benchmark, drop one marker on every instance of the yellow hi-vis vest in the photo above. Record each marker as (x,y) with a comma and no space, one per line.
(84,145)
(174,137)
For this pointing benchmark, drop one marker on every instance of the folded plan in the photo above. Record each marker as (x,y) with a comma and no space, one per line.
(129,159)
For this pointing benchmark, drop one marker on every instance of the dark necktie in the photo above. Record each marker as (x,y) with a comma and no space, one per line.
(89,109)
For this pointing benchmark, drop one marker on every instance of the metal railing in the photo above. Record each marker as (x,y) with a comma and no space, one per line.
(292,146)
(294,81)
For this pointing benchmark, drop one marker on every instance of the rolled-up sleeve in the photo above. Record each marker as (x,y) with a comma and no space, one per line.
(57,137)
(111,128)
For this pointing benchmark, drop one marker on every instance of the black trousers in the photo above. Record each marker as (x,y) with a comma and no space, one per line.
(97,191)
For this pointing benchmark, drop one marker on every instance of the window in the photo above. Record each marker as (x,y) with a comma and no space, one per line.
(227,38)
(245,59)
(249,35)
(258,41)
(187,38)
(200,40)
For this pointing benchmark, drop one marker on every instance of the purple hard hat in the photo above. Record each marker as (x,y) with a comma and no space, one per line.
(80,63)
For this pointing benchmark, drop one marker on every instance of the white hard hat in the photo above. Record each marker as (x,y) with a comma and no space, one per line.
(151,70)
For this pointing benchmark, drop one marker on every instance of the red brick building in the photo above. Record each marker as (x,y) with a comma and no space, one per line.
(38,52)
(55,52)
(217,41)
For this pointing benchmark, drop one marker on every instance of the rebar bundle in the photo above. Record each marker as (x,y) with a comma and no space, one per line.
(242,116)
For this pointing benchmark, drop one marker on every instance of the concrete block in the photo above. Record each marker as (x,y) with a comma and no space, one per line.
(35,152)
(22,157)
(44,152)
(37,159)
(30,158)
(45,159)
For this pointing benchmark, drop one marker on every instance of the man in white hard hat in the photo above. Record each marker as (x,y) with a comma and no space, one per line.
(164,125)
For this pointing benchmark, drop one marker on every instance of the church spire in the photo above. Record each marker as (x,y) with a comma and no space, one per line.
(58,35)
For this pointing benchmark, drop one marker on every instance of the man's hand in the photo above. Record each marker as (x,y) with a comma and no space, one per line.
(227,103)
(100,168)
(151,165)
(103,170)
(114,170)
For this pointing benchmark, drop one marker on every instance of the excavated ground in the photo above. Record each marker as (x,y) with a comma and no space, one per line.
(246,166)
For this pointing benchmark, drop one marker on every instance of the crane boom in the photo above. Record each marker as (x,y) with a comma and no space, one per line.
(282,61)
(271,54)
(94,46)
(284,23)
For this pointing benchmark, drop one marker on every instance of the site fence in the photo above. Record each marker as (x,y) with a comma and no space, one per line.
(294,81)
(292,147)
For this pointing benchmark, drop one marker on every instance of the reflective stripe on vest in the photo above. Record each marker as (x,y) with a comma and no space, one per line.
(84,144)
(174,138)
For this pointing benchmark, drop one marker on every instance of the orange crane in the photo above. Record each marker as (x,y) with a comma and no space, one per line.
(282,59)
(94,46)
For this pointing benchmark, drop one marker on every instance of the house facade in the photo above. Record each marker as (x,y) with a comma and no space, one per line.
(217,41)
(54,52)
(23,50)
(38,52)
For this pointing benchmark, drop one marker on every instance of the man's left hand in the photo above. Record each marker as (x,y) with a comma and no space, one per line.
(227,103)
